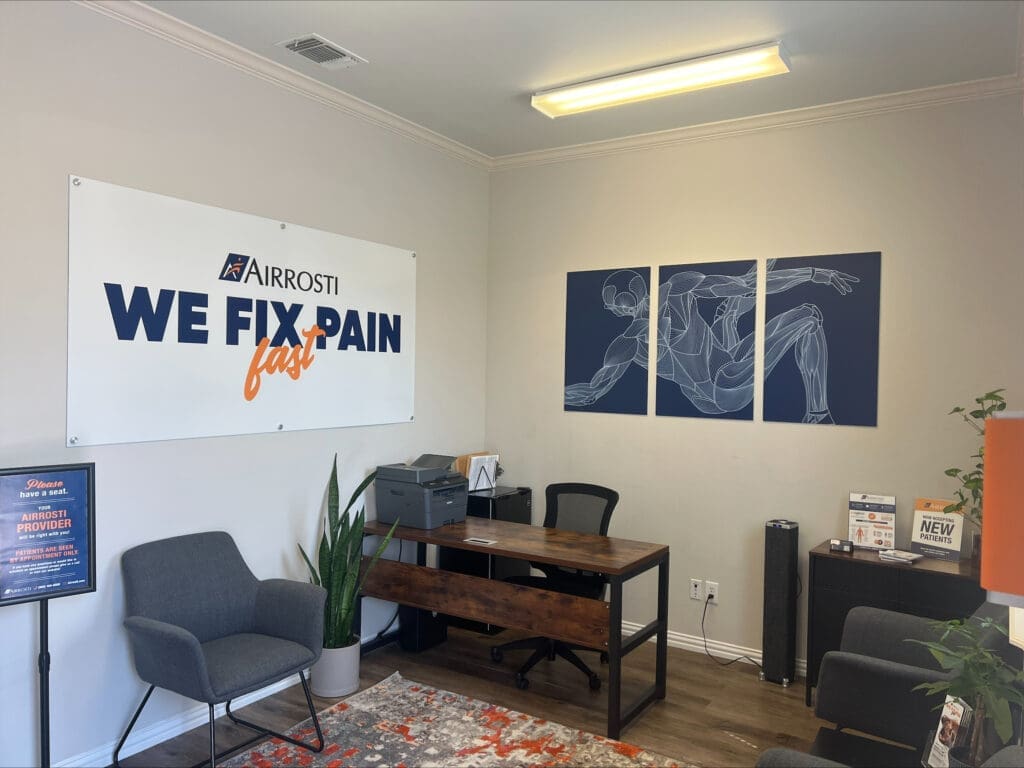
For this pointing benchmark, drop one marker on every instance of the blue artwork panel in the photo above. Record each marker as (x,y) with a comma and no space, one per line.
(706,340)
(607,319)
(821,339)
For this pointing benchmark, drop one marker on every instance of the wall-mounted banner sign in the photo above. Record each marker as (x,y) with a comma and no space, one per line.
(186,320)
(47,532)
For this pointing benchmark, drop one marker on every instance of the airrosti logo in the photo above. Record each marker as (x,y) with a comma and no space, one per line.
(234,267)
(239,268)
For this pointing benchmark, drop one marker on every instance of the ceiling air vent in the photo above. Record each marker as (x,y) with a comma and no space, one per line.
(323,52)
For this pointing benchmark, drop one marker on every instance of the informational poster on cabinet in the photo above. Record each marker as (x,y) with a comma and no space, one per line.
(186,320)
(936,533)
(872,521)
(47,537)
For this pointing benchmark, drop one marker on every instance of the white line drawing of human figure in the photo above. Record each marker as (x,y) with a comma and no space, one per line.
(711,363)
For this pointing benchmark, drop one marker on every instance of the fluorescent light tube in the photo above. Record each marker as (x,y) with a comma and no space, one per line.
(666,80)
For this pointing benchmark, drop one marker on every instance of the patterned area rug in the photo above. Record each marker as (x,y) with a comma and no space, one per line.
(401,723)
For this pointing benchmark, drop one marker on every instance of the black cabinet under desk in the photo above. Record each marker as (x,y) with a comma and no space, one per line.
(935,589)
(513,505)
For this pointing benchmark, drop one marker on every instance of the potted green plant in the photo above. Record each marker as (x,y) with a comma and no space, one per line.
(979,676)
(336,673)
(970,493)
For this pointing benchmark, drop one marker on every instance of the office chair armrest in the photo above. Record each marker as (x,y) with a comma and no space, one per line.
(169,656)
(781,757)
(883,634)
(875,696)
(293,610)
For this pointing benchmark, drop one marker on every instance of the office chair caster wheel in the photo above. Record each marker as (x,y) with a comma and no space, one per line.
(522,683)
(496,655)
(604,657)
(595,683)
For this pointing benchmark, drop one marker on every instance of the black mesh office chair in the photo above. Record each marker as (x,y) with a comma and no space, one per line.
(573,507)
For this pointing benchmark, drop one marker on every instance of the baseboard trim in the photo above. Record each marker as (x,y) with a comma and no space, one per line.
(144,738)
(716,648)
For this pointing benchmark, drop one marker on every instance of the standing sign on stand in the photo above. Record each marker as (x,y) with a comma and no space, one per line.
(47,539)
(47,549)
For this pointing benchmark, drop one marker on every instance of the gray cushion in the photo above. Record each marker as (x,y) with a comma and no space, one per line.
(244,662)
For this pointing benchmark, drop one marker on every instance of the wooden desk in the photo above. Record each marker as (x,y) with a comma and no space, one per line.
(838,581)
(593,623)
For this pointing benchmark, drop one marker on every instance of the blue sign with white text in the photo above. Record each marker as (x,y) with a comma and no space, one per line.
(46,536)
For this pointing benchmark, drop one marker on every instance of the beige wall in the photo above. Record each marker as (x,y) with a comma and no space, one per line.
(937,191)
(84,94)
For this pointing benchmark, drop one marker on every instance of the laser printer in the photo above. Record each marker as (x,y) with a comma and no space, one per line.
(423,494)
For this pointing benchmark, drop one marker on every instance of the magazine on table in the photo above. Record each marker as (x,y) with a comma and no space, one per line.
(898,556)
(954,730)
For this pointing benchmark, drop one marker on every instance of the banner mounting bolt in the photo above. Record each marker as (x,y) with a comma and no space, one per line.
(282,225)
(72,440)
(280,427)
(76,182)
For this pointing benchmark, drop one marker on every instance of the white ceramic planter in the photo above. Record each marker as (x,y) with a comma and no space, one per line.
(336,672)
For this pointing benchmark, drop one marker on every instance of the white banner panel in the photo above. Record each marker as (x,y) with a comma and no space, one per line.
(186,320)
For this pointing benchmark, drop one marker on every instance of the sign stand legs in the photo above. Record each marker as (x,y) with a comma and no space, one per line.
(44,685)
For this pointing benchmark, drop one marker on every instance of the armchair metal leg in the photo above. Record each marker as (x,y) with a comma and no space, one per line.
(261,732)
(135,717)
(267,732)
(213,738)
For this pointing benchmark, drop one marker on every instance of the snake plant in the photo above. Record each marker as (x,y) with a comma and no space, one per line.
(339,559)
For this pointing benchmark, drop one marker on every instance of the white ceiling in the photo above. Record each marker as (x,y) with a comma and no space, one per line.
(466,69)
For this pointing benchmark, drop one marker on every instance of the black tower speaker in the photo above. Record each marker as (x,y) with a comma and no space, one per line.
(778,638)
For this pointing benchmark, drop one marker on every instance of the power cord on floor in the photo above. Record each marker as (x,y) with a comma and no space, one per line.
(705,638)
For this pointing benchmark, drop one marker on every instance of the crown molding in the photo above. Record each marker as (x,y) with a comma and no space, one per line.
(160,24)
(825,113)
(154,22)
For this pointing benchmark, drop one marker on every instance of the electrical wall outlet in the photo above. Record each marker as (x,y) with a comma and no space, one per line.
(696,589)
(711,589)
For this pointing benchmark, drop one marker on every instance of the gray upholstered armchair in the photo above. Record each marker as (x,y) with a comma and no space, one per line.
(202,625)
(867,686)
(781,757)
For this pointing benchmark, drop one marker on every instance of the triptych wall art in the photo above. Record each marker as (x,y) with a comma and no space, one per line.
(820,339)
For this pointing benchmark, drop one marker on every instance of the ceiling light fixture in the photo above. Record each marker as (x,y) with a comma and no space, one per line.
(666,80)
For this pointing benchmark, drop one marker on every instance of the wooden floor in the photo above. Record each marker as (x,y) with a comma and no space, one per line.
(712,716)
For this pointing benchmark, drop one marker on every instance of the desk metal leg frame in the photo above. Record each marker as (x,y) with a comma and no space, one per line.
(617,718)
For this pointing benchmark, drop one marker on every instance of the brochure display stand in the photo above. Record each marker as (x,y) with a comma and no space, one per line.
(47,550)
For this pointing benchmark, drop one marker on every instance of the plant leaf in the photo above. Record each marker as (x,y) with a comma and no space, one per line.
(313,575)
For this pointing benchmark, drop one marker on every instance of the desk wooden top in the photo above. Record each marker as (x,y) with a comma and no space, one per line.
(966,569)
(589,552)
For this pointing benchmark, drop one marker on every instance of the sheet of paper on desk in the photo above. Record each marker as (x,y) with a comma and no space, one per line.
(475,540)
